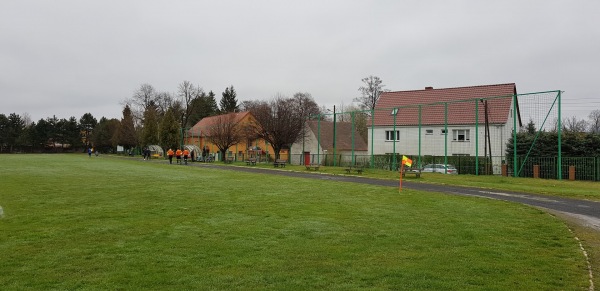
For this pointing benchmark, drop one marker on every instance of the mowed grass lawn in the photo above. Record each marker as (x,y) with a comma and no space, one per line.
(74,222)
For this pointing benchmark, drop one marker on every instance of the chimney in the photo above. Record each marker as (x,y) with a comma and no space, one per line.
(428,88)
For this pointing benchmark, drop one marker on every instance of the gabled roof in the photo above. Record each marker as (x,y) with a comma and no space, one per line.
(343,135)
(205,123)
(462,113)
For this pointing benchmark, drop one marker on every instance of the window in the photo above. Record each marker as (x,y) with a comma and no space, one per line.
(429,131)
(442,131)
(394,111)
(391,135)
(460,135)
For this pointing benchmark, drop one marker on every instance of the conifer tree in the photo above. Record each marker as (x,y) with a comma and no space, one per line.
(228,101)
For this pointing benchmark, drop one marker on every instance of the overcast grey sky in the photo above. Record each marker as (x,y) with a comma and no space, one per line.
(67,58)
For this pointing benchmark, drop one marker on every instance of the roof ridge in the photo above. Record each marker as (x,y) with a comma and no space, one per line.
(463,87)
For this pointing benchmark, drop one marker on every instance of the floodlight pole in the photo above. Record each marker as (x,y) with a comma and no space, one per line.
(334,158)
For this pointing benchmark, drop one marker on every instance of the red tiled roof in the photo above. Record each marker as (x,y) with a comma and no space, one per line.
(458,112)
(205,123)
(343,135)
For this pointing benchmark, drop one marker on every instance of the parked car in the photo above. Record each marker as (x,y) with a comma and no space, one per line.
(440,168)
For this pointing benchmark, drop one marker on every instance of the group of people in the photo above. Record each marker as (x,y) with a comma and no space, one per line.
(179,155)
(91,150)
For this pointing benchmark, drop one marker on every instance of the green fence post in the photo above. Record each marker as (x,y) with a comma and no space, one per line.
(420,126)
(372,137)
(515,174)
(334,157)
(477,137)
(445,136)
(353,158)
(559,140)
(394,142)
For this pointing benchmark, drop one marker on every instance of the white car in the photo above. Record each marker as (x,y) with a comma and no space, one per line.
(440,168)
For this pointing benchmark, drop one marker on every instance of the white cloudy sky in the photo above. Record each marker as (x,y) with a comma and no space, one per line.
(70,57)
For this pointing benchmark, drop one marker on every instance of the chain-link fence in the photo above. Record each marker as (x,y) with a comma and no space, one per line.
(480,136)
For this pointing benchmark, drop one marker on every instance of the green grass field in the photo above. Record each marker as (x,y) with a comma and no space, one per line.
(73,222)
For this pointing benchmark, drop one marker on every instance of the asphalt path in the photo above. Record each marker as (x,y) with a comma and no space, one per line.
(587,212)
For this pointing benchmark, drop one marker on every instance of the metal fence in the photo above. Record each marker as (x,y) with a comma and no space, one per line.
(585,168)
(476,135)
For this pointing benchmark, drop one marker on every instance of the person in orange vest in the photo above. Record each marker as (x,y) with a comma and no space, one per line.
(170,154)
(186,153)
(178,154)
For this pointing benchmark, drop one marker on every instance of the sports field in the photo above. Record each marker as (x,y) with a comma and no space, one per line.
(75,222)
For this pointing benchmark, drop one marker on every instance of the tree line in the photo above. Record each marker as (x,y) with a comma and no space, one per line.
(579,138)
(151,117)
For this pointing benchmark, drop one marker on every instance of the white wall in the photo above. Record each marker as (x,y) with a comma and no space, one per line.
(310,144)
(433,144)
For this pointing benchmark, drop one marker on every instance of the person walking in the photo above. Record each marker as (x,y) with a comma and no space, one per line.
(186,153)
(178,154)
(170,154)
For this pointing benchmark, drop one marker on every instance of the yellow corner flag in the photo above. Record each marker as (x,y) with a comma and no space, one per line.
(406,161)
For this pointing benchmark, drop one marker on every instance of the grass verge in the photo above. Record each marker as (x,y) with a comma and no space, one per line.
(564,188)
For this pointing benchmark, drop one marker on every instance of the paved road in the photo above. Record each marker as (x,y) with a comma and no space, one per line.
(588,212)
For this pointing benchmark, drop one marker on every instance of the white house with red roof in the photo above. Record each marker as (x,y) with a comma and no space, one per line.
(444,121)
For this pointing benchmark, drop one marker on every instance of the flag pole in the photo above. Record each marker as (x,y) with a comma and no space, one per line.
(401,171)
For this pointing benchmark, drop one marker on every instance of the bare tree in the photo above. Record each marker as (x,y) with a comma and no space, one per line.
(594,122)
(188,92)
(225,132)
(573,125)
(143,97)
(306,104)
(251,105)
(352,113)
(370,92)
(281,121)
(164,101)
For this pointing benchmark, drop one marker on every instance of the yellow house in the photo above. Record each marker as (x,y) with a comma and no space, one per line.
(248,147)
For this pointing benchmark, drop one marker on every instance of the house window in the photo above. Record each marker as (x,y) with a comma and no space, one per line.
(442,131)
(460,135)
(429,131)
(394,111)
(391,135)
